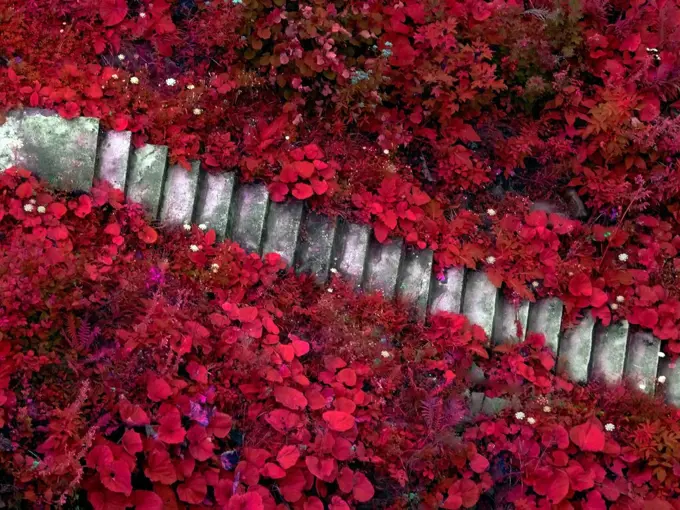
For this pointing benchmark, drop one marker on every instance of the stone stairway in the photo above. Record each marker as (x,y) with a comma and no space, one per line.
(71,153)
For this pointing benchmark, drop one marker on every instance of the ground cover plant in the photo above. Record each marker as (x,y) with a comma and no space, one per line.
(160,369)
(437,121)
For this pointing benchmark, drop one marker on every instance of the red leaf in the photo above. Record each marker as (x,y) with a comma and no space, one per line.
(324,469)
(220,425)
(57,209)
(24,190)
(479,463)
(347,376)
(157,389)
(283,420)
(290,397)
(559,487)
(147,500)
(363,490)
(588,436)
(631,43)
(193,490)
(304,169)
(273,471)
(171,430)
(113,12)
(116,476)
(339,420)
(132,442)
(148,235)
(132,415)
(301,191)
(200,445)
(580,285)
(159,467)
(299,346)
(288,456)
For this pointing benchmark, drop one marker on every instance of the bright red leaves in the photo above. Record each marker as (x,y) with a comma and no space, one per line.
(588,436)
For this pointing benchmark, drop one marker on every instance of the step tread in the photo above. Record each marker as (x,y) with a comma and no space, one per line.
(248,216)
(508,316)
(350,251)
(545,316)
(479,300)
(413,284)
(446,295)
(315,247)
(113,158)
(215,195)
(575,349)
(282,229)
(382,266)
(609,352)
(179,194)
(146,175)
(642,361)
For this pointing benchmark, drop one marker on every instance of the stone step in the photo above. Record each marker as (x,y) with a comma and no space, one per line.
(476,402)
(315,245)
(282,229)
(492,406)
(146,176)
(609,352)
(672,385)
(350,251)
(508,317)
(248,216)
(545,316)
(215,193)
(179,194)
(479,300)
(113,158)
(382,266)
(446,295)
(413,284)
(61,151)
(642,360)
(575,348)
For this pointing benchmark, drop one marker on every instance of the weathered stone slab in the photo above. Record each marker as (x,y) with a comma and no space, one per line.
(479,300)
(315,246)
(382,266)
(215,193)
(545,316)
(508,317)
(113,158)
(476,402)
(413,285)
(642,360)
(609,352)
(248,216)
(350,251)
(282,228)
(672,385)
(63,152)
(493,406)
(575,349)
(179,194)
(447,295)
(146,175)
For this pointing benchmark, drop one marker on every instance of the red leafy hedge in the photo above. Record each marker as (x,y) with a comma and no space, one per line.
(165,370)
(402,114)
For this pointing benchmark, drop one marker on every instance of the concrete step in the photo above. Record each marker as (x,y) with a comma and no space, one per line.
(508,317)
(179,194)
(479,300)
(545,316)
(413,284)
(672,385)
(575,350)
(350,251)
(282,229)
(215,194)
(248,216)
(642,360)
(446,295)
(146,176)
(60,151)
(609,352)
(382,266)
(113,158)
(315,246)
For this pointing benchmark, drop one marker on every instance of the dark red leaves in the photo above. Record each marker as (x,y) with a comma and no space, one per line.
(170,430)
(290,397)
(148,235)
(115,476)
(588,436)
(338,420)
(112,12)
(580,285)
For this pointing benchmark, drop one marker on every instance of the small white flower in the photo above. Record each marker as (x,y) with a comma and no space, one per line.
(197,111)
(386,151)
(61,31)
(134,80)
(661,379)
(203,226)
(32,201)
(190,87)
(333,270)
(28,207)
(215,267)
(571,273)
(642,386)
(170,82)
(614,306)
(610,427)
(385,354)
(547,409)
(114,76)
(142,15)
(287,137)
(531,420)
(330,290)
(491,260)
(535,284)
(620,299)
(186,226)
(121,57)
(193,247)
(662,354)
(491,212)
(623,257)
(41,209)
(520,415)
